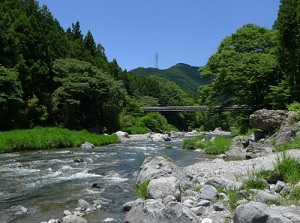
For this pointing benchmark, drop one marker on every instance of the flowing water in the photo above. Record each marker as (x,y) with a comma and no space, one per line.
(49,182)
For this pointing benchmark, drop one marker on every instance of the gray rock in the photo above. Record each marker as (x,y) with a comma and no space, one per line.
(218,206)
(203,203)
(218,181)
(287,129)
(208,192)
(54,221)
(198,210)
(279,186)
(292,213)
(160,188)
(168,199)
(67,212)
(206,220)
(132,204)
(154,168)
(87,145)
(267,120)
(257,212)
(188,203)
(158,137)
(155,211)
(265,197)
(73,219)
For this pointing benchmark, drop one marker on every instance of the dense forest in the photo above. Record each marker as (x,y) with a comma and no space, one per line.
(55,77)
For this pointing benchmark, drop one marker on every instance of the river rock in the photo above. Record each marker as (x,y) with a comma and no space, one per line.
(288,128)
(158,137)
(132,204)
(267,120)
(265,197)
(155,211)
(257,212)
(74,219)
(160,188)
(157,167)
(208,192)
(87,145)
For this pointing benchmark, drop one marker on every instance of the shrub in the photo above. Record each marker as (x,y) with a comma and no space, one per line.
(254,182)
(198,142)
(217,146)
(141,189)
(287,169)
(153,121)
(295,106)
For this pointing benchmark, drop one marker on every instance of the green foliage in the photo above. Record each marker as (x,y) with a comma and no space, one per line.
(254,182)
(287,24)
(10,97)
(293,144)
(185,76)
(86,97)
(243,68)
(137,130)
(77,159)
(48,138)
(141,189)
(217,146)
(295,106)
(198,142)
(155,122)
(233,198)
(287,169)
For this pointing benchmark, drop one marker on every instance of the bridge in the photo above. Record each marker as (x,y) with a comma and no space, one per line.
(197,108)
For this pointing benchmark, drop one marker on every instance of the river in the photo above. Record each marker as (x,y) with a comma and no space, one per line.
(49,182)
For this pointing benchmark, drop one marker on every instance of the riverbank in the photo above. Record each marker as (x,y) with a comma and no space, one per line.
(125,137)
(50,138)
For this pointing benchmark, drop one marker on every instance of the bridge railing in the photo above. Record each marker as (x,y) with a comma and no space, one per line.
(197,108)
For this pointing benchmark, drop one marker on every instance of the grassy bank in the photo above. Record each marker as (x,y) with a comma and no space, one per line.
(216,146)
(47,138)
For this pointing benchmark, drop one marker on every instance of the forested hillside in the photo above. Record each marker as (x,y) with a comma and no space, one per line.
(55,77)
(186,76)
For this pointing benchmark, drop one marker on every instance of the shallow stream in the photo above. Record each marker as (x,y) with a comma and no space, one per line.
(49,182)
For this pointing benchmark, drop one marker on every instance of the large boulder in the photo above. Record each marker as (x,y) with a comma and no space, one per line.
(257,212)
(267,120)
(157,167)
(160,188)
(155,211)
(288,128)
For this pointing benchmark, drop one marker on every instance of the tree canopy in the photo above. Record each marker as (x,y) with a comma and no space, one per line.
(243,68)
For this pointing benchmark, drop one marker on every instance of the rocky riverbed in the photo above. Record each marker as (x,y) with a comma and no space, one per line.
(200,192)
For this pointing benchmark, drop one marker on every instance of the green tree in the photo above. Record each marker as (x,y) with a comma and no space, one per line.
(288,26)
(243,68)
(10,98)
(86,97)
(90,44)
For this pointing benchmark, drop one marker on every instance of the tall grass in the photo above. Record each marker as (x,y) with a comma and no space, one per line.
(287,169)
(217,146)
(47,138)
(293,144)
(141,189)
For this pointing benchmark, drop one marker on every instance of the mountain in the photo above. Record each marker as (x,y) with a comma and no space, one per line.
(186,76)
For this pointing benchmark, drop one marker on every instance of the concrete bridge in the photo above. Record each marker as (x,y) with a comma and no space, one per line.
(197,108)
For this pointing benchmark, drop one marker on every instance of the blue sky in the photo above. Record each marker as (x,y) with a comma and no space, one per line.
(180,31)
